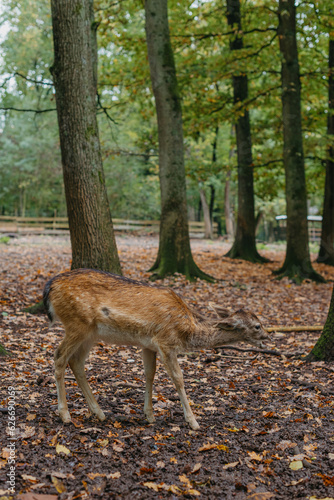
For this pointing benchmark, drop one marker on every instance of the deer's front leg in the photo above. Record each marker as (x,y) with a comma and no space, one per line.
(172,366)
(149,359)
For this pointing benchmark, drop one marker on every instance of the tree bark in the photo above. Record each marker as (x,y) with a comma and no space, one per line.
(227,207)
(174,253)
(75,78)
(206,214)
(297,265)
(326,251)
(324,348)
(244,246)
(3,351)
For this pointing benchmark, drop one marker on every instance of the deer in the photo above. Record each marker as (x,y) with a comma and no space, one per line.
(95,306)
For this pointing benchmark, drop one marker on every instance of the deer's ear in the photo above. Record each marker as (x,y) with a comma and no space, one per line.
(221,311)
(230,323)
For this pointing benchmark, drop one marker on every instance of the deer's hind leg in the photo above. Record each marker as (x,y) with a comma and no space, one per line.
(149,359)
(63,353)
(77,364)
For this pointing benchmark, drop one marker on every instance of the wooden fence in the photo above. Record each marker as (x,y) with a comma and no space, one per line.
(59,225)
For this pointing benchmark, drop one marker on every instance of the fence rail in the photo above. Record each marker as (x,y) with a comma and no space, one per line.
(59,225)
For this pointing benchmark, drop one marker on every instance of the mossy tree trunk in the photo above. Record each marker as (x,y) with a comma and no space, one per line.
(3,351)
(326,251)
(297,264)
(75,77)
(324,348)
(244,246)
(174,255)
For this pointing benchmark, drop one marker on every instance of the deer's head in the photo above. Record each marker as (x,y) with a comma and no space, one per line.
(242,324)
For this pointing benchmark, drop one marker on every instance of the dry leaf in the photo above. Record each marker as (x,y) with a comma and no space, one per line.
(31,416)
(27,477)
(118,448)
(206,447)
(114,475)
(152,486)
(60,448)
(196,468)
(59,485)
(254,456)
(261,495)
(296,465)
(231,465)
(93,475)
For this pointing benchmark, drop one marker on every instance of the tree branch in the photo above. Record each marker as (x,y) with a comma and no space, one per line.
(37,111)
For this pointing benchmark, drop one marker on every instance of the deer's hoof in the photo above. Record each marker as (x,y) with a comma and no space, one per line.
(194,425)
(65,416)
(100,415)
(150,419)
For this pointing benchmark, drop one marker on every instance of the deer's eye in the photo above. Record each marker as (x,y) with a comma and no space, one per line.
(257,327)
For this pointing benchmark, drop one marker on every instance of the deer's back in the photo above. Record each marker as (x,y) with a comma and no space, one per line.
(119,310)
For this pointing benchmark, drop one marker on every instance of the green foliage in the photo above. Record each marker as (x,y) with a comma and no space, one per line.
(30,167)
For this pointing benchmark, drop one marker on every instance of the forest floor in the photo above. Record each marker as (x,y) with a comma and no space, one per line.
(266,422)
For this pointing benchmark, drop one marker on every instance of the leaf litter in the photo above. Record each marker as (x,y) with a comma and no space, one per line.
(266,422)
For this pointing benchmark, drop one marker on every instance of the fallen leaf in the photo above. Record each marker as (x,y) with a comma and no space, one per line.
(254,456)
(27,477)
(93,475)
(152,486)
(230,465)
(114,475)
(261,495)
(196,468)
(60,448)
(206,447)
(59,485)
(296,465)
(31,416)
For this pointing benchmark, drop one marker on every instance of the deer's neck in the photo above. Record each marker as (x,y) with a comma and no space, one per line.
(207,336)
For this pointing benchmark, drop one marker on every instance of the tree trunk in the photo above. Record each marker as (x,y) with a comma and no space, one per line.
(3,351)
(74,73)
(324,348)
(244,246)
(227,208)
(206,214)
(326,251)
(297,265)
(174,253)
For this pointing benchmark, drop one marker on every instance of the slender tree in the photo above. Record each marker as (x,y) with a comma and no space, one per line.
(174,253)
(297,264)
(326,251)
(244,246)
(75,78)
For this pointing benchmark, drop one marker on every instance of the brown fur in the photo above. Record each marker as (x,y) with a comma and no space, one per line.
(93,306)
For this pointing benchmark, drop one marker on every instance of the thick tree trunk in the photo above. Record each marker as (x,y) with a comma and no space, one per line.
(324,348)
(74,74)
(297,265)
(174,253)
(244,246)
(326,251)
